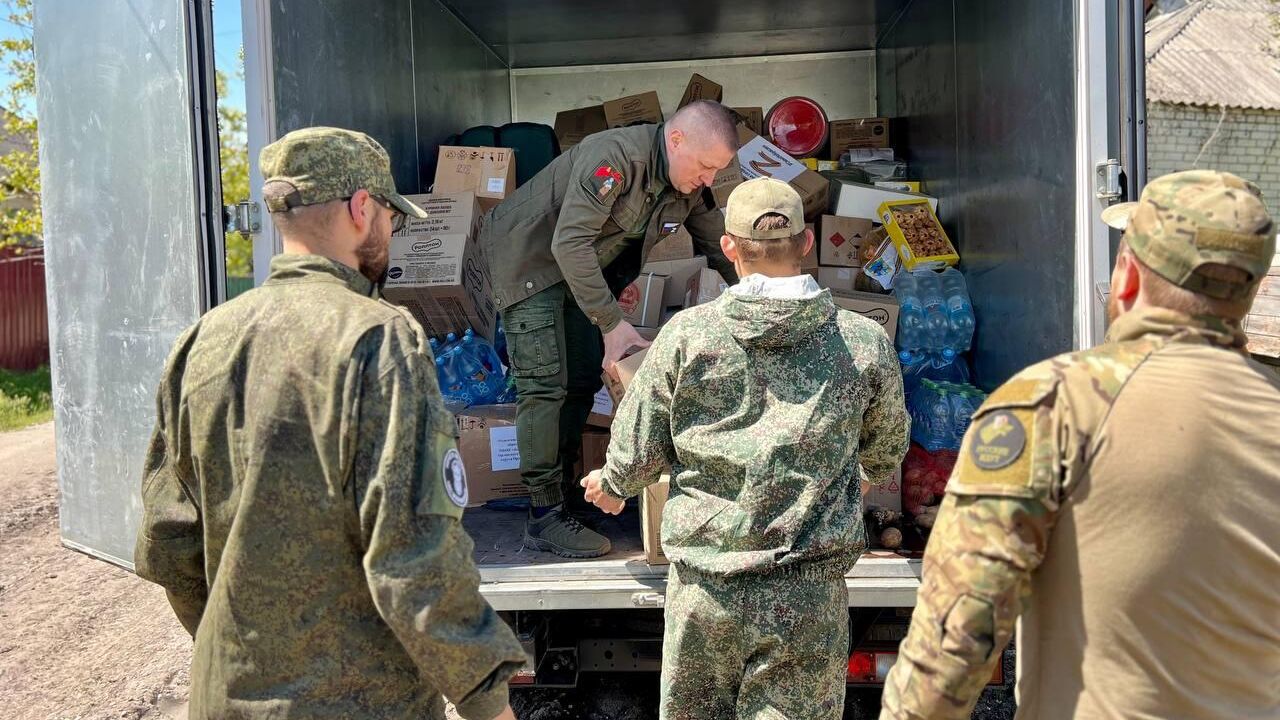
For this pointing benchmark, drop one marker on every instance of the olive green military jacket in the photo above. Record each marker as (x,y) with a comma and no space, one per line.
(578,216)
(301,507)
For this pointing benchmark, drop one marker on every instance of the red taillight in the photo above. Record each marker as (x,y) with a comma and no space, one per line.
(862,668)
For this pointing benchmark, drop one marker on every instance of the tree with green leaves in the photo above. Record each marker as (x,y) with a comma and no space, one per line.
(20,226)
(233,155)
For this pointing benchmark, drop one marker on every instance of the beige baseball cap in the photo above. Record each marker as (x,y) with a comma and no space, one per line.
(761,196)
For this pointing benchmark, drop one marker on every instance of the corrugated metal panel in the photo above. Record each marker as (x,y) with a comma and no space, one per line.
(24,318)
(1215,52)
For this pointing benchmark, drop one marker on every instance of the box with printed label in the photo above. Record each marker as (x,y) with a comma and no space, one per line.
(678,273)
(842,241)
(858,133)
(674,243)
(652,503)
(839,279)
(442,277)
(641,301)
(758,157)
(883,309)
(704,287)
(752,117)
(633,110)
(886,495)
(488,172)
(572,126)
(700,88)
(487,444)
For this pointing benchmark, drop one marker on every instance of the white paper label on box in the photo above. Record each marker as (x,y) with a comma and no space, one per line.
(497,185)
(603,404)
(504,453)
(761,158)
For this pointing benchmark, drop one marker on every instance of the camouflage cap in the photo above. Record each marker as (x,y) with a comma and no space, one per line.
(321,164)
(1186,220)
(761,196)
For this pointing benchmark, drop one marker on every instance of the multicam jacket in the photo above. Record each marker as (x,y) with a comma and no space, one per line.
(301,508)
(769,412)
(1122,500)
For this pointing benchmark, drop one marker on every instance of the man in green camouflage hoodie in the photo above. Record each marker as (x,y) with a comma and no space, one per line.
(1121,500)
(303,494)
(770,405)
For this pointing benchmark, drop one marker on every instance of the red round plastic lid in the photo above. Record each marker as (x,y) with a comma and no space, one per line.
(798,126)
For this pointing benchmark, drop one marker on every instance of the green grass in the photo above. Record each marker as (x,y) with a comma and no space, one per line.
(25,399)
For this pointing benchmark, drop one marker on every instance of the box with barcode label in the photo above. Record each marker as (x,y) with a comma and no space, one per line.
(487,443)
(488,172)
(437,271)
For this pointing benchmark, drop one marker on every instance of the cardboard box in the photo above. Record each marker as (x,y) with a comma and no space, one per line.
(856,200)
(633,110)
(752,117)
(858,133)
(574,125)
(487,444)
(902,218)
(652,502)
(595,448)
(677,245)
(602,410)
(488,172)
(810,261)
(888,495)
(642,300)
(881,308)
(843,240)
(758,157)
(839,279)
(700,88)
(618,378)
(678,273)
(705,286)
(725,181)
(441,277)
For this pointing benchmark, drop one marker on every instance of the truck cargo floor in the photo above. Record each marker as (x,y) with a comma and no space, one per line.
(501,556)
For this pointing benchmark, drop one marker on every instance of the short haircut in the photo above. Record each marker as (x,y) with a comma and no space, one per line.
(707,121)
(788,249)
(311,220)
(1164,293)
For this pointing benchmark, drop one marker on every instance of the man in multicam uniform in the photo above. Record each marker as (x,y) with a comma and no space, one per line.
(770,405)
(302,495)
(1122,500)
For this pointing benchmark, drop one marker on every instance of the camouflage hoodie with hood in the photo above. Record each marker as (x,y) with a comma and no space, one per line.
(769,404)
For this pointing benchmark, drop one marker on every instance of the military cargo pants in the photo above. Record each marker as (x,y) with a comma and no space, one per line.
(763,647)
(555,355)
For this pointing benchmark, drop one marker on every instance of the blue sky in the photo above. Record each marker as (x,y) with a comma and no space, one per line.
(226,46)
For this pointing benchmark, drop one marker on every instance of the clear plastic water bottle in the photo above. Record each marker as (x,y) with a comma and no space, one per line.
(472,373)
(931,417)
(947,366)
(936,325)
(500,343)
(910,313)
(913,366)
(456,392)
(960,317)
(964,403)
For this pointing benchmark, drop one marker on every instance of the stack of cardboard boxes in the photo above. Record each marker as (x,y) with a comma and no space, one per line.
(436,268)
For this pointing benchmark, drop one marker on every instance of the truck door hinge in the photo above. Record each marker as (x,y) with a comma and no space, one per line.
(244,217)
(1107,180)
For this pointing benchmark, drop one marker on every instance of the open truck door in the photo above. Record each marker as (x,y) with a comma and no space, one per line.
(133,236)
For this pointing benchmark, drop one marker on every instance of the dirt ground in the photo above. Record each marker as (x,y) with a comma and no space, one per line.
(79,639)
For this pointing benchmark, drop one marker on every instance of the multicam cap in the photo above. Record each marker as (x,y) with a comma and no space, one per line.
(321,164)
(760,196)
(1189,219)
